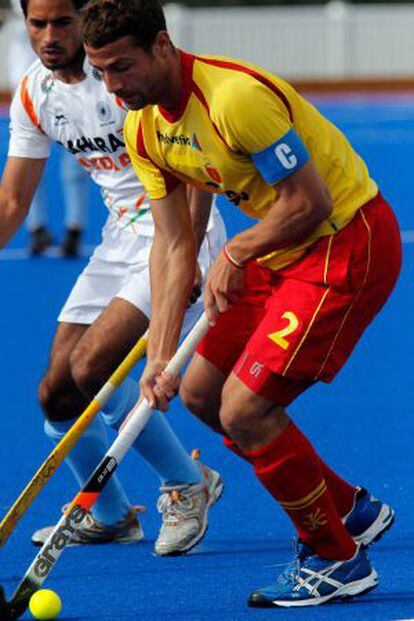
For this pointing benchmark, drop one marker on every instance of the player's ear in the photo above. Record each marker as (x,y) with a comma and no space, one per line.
(162,44)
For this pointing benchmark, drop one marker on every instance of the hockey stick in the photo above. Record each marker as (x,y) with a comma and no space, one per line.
(53,547)
(53,461)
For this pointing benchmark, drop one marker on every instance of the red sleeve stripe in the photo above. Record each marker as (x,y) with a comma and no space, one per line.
(170,181)
(140,144)
(28,103)
(200,95)
(225,64)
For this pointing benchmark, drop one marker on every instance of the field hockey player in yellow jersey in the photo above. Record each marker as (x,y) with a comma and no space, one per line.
(287,298)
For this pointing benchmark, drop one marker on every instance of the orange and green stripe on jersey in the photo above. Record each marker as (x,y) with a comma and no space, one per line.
(28,103)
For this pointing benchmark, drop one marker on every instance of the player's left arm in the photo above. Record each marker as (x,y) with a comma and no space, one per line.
(263,129)
(303,202)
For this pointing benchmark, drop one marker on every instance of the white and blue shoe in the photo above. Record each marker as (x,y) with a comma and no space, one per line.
(369,518)
(311,581)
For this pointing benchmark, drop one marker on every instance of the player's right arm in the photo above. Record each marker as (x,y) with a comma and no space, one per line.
(20,179)
(172,270)
(29,149)
(172,259)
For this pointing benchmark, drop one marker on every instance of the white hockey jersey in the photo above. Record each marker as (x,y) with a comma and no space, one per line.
(87,121)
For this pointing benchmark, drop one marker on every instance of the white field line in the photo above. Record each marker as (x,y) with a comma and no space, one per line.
(22,254)
(407,238)
(54,252)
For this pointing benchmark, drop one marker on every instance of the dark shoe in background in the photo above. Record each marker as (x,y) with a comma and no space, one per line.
(71,243)
(40,240)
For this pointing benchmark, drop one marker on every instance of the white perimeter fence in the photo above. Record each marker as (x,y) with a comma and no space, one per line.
(335,40)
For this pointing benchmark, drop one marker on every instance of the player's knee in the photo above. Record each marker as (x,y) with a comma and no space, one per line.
(202,405)
(53,400)
(248,421)
(238,413)
(193,400)
(236,419)
(45,395)
(86,369)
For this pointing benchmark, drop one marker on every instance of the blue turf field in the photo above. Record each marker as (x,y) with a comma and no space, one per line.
(362,425)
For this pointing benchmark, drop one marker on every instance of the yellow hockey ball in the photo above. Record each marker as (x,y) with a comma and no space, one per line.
(45,604)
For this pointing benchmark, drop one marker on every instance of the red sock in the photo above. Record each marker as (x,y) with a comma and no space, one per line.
(342,493)
(291,471)
(232,446)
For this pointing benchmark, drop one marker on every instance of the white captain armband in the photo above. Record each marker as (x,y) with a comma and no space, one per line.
(282,158)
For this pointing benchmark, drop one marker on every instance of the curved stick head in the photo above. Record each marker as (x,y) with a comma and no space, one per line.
(5,612)
(14,609)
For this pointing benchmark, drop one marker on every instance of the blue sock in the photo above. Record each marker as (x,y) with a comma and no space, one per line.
(157,443)
(113,504)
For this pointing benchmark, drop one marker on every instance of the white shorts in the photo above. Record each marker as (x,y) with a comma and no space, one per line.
(111,273)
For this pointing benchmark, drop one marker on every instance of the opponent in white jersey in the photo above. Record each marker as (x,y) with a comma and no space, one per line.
(75,183)
(61,100)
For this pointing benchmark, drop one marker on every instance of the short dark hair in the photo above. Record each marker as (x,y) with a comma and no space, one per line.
(78,4)
(105,21)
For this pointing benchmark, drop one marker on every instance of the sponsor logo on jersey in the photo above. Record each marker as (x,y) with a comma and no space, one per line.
(60,119)
(209,168)
(195,144)
(235,197)
(97,74)
(179,140)
(104,112)
(256,369)
(213,173)
(212,184)
(47,83)
(106,163)
(109,144)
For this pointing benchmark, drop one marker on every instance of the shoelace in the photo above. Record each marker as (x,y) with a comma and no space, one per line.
(291,574)
(173,504)
(89,521)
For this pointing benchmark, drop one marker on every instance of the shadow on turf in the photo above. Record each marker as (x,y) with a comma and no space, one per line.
(379,598)
(230,548)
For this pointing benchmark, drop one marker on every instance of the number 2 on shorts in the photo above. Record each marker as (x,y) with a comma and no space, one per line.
(279,336)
